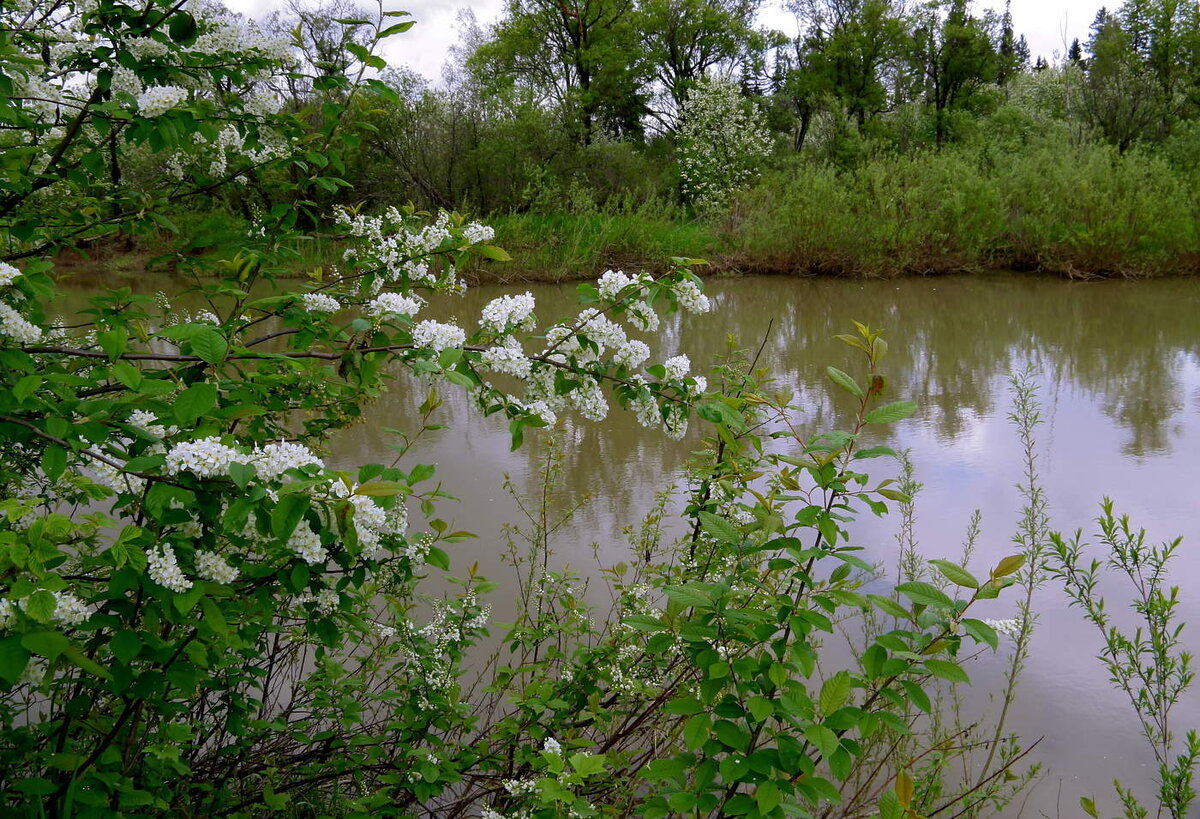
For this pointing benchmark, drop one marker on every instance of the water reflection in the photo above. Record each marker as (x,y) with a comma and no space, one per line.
(1118,365)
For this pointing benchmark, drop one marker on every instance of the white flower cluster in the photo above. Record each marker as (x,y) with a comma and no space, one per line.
(17,327)
(476,233)
(642,316)
(148,422)
(211,566)
(644,407)
(159,99)
(632,354)
(677,367)
(507,313)
(612,282)
(392,304)
(7,609)
(307,545)
(273,459)
(372,522)
(69,609)
(327,600)
(437,336)
(552,746)
(125,81)
(1010,627)
(204,457)
(8,274)
(691,298)
(320,303)
(389,244)
(509,359)
(164,570)
(589,400)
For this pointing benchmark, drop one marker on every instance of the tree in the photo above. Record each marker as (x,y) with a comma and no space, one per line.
(684,39)
(958,57)
(846,44)
(581,56)
(1120,96)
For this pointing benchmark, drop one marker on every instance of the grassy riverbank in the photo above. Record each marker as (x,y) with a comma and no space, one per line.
(1080,212)
(1084,212)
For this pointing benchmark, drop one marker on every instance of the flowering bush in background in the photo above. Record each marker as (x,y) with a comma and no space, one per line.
(722,143)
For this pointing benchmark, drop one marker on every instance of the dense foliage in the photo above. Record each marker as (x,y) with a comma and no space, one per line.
(200,616)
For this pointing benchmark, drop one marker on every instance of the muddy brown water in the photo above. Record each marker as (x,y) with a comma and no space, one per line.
(1117,365)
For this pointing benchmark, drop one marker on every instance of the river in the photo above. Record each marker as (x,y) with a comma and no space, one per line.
(1117,364)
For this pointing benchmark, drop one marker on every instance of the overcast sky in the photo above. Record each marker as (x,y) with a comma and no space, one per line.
(1049,25)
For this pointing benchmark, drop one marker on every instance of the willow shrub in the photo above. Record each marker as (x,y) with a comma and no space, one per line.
(1046,205)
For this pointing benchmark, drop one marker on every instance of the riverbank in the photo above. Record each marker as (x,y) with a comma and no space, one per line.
(1082,212)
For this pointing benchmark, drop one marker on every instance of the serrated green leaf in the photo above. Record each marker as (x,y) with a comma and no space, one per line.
(835,691)
(696,730)
(194,402)
(927,594)
(1008,565)
(981,631)
(956,574)
(890,413)
(210,346)
(844,381)
(947,671)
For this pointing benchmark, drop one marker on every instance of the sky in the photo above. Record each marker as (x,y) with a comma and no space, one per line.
(1048,25)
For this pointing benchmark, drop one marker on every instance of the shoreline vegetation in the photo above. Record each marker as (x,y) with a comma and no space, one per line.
(1087,211)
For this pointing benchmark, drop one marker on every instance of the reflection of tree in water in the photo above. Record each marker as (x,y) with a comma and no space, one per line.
(953,342)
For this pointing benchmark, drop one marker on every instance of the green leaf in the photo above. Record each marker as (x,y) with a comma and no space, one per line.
(981,631)
(41,605)
(127,374)
(889,806)
(956,574)
(767,797)
(688,596)
(113,343)
(947,671)
(182,27)
(731,734)
(13,659)
(890,606)
(875,452)
(287,514)
(844,381)
(48,644)
(921,592)
(54,462)
(917,695)
(719,528)
(77,657)
(194,402)
(492,252)
(210,346)
(26,387)
(381,489)
(696,731)
(1008,565)
(1088,805)
(834,692)
(890,413)
(213,615)
(125,645)
(241,474)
